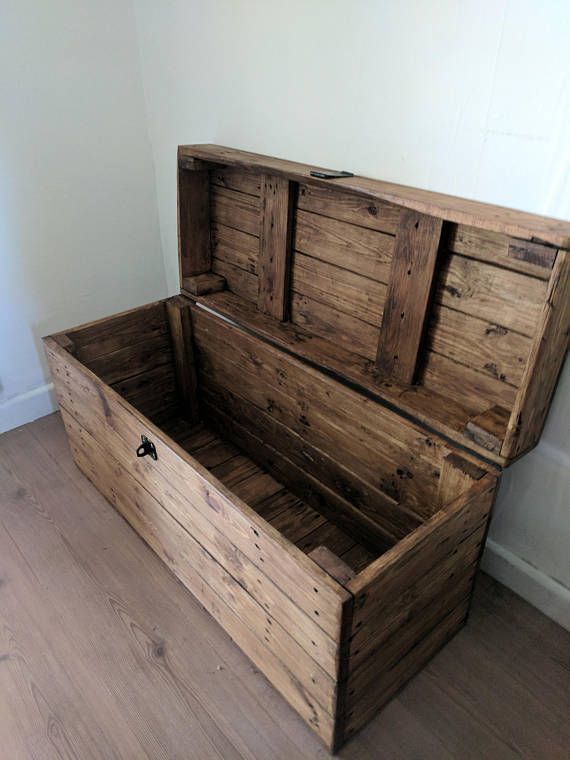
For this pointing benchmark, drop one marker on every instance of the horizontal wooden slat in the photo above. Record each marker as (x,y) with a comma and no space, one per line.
(239,281)
(518,255)
(299,678)
(357,249)
(132,359)
(519,224)
(474,390)
(313,494)
(385,580)
(106,335)
(374,442)
(233,179)
(346,291)
(412,661)
(234,209)
(98,408)
(150,391)
(235,247)
(492,294)
(334,325)
(394,520)
(424,404)
(349,207)
(484,346)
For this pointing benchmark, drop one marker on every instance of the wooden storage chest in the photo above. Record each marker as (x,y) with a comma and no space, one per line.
(311,434)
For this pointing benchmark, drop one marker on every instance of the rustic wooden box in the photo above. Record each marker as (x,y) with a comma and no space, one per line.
(330,401)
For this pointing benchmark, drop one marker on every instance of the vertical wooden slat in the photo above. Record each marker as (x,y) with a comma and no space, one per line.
(544,364)
(275,246)
(193,221)
(179,322)
(405,310)
(456,476)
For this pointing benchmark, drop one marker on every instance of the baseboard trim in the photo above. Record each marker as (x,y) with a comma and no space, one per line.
(537,588)
(27,407)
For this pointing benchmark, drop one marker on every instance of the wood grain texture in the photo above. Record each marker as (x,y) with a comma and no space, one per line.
(269,646)
(193,222)
(463,211)
(97,408)
(180,323)
(547,356)
(202,284)
(363,211)
(275,246)
(451,407)
(408,296)
(105,652)
(235,209)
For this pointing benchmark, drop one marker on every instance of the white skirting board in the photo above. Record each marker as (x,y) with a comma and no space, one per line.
(27,407)
(537,588)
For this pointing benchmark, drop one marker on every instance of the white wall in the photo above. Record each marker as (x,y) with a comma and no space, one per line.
(79,234)
(470,98)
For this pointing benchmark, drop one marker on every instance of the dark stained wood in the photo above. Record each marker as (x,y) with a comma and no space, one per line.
(202,284)
(193,222)
(548,352)
(488,429)
(180,323)
(332,564)
(461,210)
(275,246)
(409,290)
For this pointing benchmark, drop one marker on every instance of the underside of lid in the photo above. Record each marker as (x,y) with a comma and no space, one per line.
(455,313)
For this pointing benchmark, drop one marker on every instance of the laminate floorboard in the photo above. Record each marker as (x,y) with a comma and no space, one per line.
(104,654)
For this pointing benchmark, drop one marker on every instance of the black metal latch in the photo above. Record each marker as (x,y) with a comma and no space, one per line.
(147,447)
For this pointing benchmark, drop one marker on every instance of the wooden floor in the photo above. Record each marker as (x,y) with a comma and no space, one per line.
(103,654)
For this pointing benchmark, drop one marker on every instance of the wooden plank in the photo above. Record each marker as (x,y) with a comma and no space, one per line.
(275,246)
(151,392)
(363,251)
(518,255)
(269,595)
(489,428)
(348,207)
(457,476)
(245,182)
(297,676)
(240,282)
(202,284)
(381,589)
(425,404)
(474,391)
(495,295)
(409,664)
(405,310)
(420,616)
(333,325)
(329,535)
(332,564)
(339,288)
(193,222)
(518,224)
(547,356)
(377,444)
(484,346)
(234,209)
(103,336)
(132,359)
(235,247)
(180,323)
(393,520)
(193,490)
(308,489)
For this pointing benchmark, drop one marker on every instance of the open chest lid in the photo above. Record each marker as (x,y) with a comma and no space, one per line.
(453,312)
